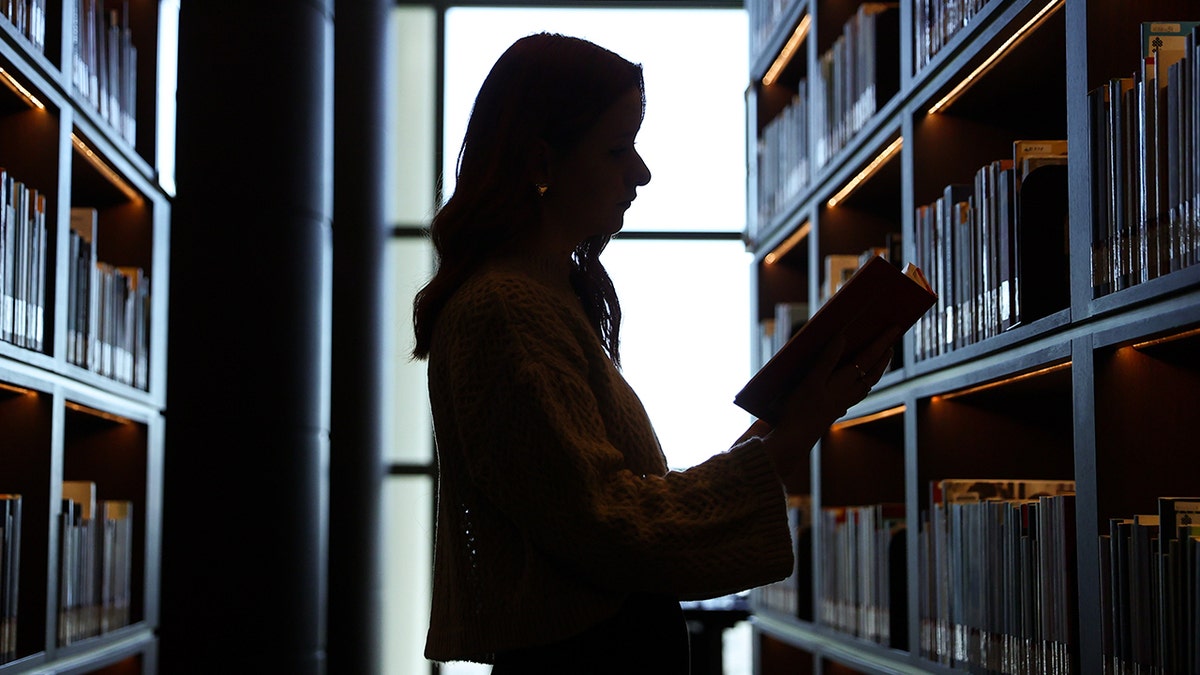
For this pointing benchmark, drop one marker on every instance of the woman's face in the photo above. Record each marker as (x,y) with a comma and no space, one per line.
(591,185)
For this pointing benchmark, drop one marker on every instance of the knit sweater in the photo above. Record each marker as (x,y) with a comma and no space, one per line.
(554,498)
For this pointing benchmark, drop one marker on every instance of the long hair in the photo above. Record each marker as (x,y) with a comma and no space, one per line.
(545,87)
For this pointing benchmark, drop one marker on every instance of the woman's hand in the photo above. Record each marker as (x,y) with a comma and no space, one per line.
(758,429)
(827,391)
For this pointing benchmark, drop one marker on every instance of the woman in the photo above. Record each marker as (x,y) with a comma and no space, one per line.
(563,543)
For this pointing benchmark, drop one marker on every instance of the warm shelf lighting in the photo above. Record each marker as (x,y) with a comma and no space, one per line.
(98,413)
(788,244)
(103,167)
(1000,383)
(882,414)
(789,49)
(16,390)
(867,172)
(1013,40)
(21,90)
(1167,338)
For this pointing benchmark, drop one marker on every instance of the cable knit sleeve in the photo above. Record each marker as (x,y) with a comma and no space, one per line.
(530,411)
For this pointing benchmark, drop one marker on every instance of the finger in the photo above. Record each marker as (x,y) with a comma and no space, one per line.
(850,385)
(758,429)
(865,377)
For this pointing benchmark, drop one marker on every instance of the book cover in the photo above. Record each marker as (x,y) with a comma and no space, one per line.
(839,267)
(954,208)
(896,543)
(1042,219)
(1176,144)
(1164,43)
(925,332)
(69,521)
(10,573)
(965,490)
(1193,574)
(1179,519)
(1006,254)
(1119,531)
(9,201)
(83,492)
(1102,197)
(116,557)
(1106,601)
(1117,186)
(875,299)
(1143,596)
(1059,576)
(82,284)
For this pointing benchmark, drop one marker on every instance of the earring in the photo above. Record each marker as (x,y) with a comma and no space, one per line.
(541,189)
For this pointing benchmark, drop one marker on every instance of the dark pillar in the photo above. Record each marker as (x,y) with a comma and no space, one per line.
(356,466)
(245,529)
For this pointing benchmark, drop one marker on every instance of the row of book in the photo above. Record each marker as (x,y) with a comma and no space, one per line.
(837,268)
(10,573)
(1145,162)
(774,331)
(855,77)
(104,65)
(993,249)
(793,595)
(783,154)
(23,246)
(935,22)
(1150,589)
(862,587)
(108,309)
(849,89)
(763,18)
(997,576)
(29,18)
(96,558)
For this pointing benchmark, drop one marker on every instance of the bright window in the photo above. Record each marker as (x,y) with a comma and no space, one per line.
(686,336)
(695,66)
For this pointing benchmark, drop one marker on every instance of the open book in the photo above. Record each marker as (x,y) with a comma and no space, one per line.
(875,299)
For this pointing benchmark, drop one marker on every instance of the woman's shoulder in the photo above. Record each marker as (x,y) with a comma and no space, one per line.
(496,284)
(518,282)
(498,308)
(499,291)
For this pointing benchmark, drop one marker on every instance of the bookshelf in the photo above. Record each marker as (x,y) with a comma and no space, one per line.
(1086,373)
(83,287)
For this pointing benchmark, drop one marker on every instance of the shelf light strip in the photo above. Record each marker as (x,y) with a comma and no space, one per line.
(1167,338)
(98,413)
(882,414)
(788,244)
(21,90)
(14,388)
(789,49)
(103,167)
(1001,383)
(867,172)
(990,61)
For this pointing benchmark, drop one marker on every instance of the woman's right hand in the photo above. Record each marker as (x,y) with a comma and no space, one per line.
(826,392)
